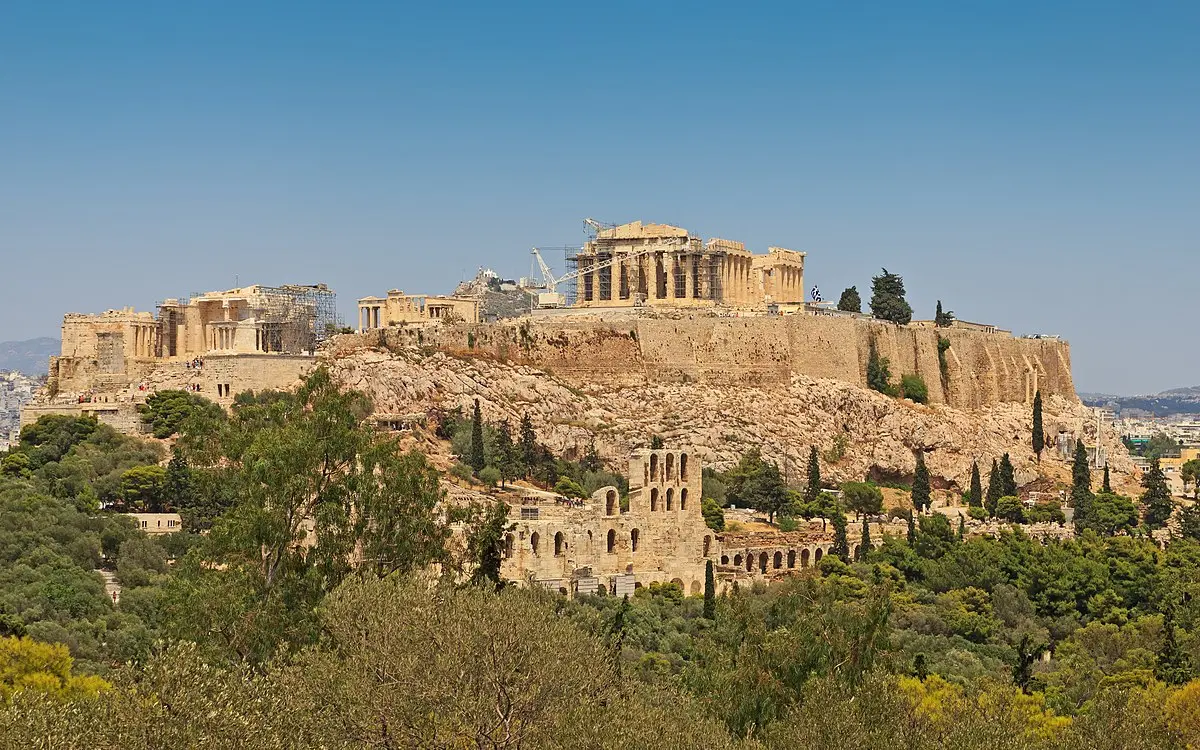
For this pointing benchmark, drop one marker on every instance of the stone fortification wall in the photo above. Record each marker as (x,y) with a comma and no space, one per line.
(981,369)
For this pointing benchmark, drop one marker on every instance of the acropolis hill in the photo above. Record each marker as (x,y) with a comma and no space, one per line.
(656,320)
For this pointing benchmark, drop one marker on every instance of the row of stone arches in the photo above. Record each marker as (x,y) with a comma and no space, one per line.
(670,499)
(668,468)
(765,561)
(780,560)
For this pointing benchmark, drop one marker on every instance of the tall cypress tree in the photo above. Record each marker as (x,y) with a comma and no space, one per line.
(912,529)
(1008,480)
(975,498)
(1157,497)
(864,546)
(477,459)
(841,545)
(528,444)
(1039,436)
(1081,488)
(710,592)
(920,489)
(1107,486)
(962,527)
(506,458)
(994,488)
(813,488)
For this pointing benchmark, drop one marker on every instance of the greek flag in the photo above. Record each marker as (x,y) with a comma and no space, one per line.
(816,294)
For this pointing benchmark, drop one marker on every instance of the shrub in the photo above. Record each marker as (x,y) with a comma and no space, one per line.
(463,472)
(1010,509)
(977,512)
(787,523)
(568,487)
(165,411)
(912,386)
(489,475)
(714,515)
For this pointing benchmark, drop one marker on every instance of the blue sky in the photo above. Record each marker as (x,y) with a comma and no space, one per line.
(1033,167)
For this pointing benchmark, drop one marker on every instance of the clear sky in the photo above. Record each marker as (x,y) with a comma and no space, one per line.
(1034,165)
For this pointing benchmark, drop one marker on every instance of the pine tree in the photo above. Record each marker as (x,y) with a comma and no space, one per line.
(841,545)
(1081,488)
(887,298)
(1107,486)
(179,488)
(477,459)
(920,489)
(850,301)
(710,592)
(1008,480)
(994,489)
(1039,436)
(864,545)
(975,499)
(528,444)
(1157,497)
(1171,663)
(813,488)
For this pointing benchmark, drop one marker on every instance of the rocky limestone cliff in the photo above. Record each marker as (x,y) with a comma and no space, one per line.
(874,433)
(980,369)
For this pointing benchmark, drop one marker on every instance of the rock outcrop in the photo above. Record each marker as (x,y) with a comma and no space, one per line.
(859,432)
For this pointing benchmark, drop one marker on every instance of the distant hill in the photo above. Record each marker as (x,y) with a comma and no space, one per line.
(1174,401)
(31,356)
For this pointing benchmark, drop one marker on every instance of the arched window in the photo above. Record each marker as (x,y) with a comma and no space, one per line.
(508,545)
(633,540)
(670,498)
(817,557)
(778,560)
(707,545)
(696,588)
(762,562)
(653,498)
(791,558)
(683,466)
(683,499)
(653,467)
(750,562)
(804,558)
(737,561)
(611,503)
(533,542)
(857,550)
(612,540)
(725,560)
(670,466)
(560,544)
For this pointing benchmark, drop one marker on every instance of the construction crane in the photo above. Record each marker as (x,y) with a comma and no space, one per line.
(552,298)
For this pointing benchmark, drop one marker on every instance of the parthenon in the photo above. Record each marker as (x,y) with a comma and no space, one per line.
(659,264)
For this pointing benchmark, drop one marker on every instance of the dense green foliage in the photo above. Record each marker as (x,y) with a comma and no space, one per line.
(887,298)
(1039,434)
(879,374)
(166,411)
(942,319)
(850,301)
(327,607)
(912,386)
